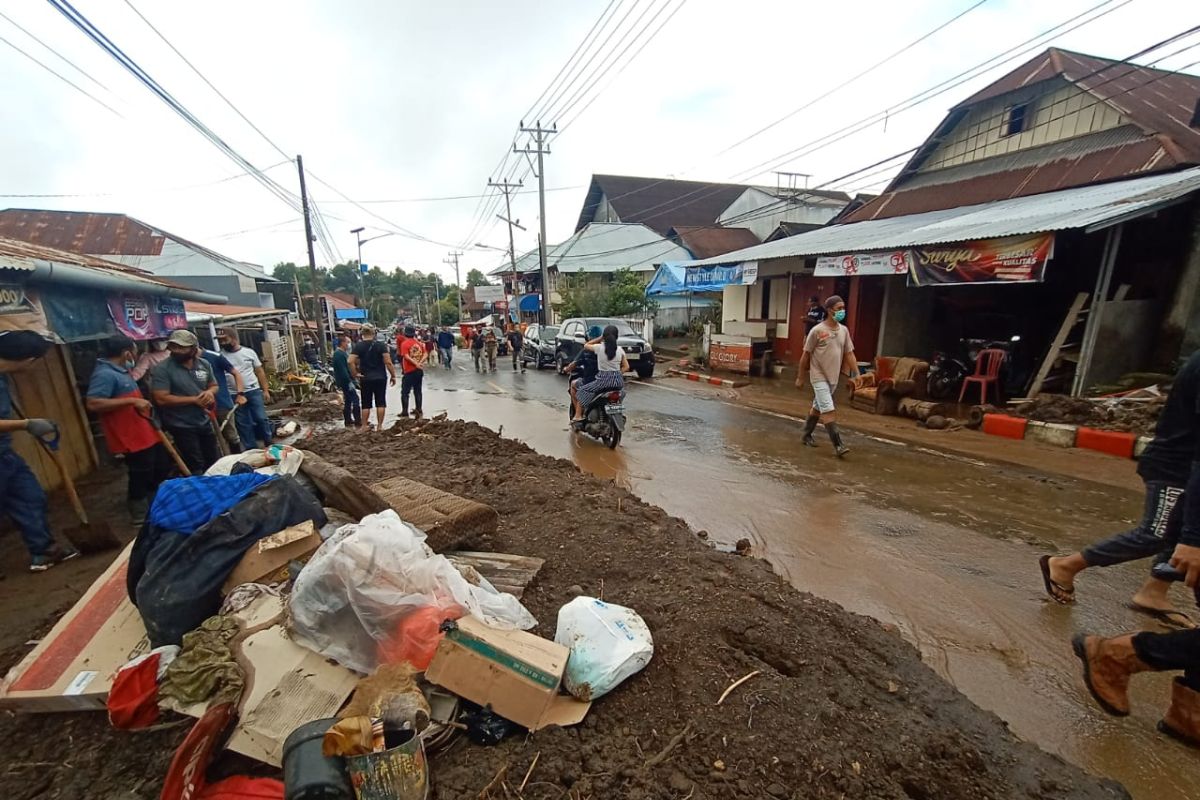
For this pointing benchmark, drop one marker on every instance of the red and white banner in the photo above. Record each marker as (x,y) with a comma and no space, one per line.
(895,262)
(1013,259)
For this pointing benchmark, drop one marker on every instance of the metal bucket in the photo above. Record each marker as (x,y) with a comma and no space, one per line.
(398,773)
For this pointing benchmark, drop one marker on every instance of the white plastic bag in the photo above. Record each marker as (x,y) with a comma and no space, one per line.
(353,596)
(608,643)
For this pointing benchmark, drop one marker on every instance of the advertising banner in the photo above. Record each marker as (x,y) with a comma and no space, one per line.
(142,317)
(1013,259)
(896,262)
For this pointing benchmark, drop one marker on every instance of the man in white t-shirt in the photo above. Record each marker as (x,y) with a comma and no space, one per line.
(828,353)
(251,418)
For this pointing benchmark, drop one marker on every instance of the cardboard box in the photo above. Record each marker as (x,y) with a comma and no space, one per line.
(516,673)
(72,668)
(267,561)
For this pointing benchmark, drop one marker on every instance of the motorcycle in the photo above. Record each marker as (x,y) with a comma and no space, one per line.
(604,418)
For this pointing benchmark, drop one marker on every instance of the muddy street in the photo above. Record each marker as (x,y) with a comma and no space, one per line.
(941,546)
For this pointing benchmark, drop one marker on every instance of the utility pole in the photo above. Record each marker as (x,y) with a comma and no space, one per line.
(508,189)
(454,254)
(312,260)
(542,149)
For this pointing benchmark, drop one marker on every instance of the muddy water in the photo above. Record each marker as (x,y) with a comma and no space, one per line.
(944,548)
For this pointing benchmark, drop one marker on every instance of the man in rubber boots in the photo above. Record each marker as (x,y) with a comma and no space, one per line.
(22,499)
(828,353)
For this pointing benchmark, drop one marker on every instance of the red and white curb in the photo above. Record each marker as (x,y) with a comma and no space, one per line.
(702,378)
(1117,443)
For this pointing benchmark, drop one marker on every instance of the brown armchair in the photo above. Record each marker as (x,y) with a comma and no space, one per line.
(880,391)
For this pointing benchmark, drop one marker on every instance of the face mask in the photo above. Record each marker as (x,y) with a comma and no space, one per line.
(839,315)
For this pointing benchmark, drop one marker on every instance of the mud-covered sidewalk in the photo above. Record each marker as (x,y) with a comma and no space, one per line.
(838,707)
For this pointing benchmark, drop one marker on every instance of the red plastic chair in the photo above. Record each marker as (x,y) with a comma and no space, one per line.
(987,373)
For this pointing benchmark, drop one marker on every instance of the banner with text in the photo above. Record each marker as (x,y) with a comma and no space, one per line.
(142,317)
(1013,259)
(895,262)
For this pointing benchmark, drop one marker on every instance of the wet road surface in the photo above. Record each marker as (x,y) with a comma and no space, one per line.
(943,547)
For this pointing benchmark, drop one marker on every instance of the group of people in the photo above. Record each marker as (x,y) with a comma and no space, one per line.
(175,386)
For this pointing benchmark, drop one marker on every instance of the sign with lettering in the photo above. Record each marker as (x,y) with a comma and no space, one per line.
(1013,259)
(895,262)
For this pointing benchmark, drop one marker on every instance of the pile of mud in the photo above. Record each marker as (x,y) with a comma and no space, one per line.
(1131,416)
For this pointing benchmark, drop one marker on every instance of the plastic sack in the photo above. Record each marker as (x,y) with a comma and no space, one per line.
(349,601)
(608,643)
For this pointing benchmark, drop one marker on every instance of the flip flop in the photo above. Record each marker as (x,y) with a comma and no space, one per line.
(1079,645)
(1063,595)
(1172,618)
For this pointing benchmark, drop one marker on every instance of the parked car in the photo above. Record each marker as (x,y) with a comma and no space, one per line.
(572,335)
(538,348)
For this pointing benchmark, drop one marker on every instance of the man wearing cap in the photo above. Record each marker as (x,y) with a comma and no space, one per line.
(113,395)
(251,419)
(828,353)
(185,390)
(22,498)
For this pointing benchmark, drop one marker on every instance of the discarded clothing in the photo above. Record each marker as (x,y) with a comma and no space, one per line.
(205,668)
(186,504)
(175,581)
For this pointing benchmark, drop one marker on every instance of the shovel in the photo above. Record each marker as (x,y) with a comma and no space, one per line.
(88,537)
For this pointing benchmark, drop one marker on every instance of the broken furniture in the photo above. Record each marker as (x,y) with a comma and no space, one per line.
(893,379)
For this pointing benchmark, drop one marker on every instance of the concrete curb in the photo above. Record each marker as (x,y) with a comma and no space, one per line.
(702,378)
(1116,443)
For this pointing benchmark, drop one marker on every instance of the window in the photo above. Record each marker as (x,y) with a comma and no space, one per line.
(1016,118)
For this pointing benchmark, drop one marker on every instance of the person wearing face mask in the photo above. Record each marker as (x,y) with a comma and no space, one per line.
(185,391)
(251,419)
(828,353)
(114,397)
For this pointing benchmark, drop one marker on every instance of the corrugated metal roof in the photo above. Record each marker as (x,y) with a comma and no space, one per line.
(610,246)
(1080,207)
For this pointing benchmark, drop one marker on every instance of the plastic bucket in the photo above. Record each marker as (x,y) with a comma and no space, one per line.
(309,775)
(398,773)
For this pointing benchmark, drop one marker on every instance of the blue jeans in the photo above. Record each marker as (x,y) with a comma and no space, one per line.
(25,502)
(447,356)
(252,422)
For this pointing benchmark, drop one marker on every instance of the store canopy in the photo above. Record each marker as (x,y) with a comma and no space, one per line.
(1089,208)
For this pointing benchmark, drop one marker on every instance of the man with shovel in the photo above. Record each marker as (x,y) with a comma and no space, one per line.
(113,395)
(22,498)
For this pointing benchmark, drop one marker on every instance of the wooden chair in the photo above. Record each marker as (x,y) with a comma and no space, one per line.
(987,373)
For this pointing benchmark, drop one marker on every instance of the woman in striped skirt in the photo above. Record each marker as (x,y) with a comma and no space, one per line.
(611,365)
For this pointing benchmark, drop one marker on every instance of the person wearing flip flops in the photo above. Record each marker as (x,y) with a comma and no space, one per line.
(23,500)
(1164,467)
(828,352)
(1109,663)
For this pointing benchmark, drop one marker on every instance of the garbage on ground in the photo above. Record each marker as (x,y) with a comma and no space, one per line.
(350,601)
(515,673)
(608,643)
(267,560)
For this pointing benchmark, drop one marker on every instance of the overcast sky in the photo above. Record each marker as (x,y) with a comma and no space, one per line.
(403,100)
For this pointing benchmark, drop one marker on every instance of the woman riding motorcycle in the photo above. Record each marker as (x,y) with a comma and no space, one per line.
(611,365)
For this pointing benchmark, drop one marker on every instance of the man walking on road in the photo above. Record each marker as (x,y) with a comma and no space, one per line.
(828,353)
(113,396)
(371,365)
(446,343)
(185,390)
(351,408)
(1164,468)
(413,356)
(22,498)
(252,421)
(515,340)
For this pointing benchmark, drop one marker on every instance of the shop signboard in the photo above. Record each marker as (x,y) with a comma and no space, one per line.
(1013,259)
(894,262)
(730,356)
(142,317)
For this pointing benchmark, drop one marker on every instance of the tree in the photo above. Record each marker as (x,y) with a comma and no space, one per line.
(477,278)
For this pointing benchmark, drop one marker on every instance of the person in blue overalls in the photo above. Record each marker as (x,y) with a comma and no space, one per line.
(23,499)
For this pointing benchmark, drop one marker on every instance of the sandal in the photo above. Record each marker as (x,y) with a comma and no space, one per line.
(1172,618)
(1063,595)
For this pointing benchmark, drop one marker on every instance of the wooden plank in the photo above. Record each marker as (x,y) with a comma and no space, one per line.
(1069,322)
(507,572)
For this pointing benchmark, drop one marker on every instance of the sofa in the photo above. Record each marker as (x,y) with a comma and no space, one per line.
(880,391)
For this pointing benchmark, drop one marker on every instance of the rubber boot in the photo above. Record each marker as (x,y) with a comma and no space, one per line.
(835,436)
(810,425)
(1107,666)
(1182,721)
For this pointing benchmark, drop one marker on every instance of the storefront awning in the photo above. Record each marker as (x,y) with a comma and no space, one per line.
(1089,208)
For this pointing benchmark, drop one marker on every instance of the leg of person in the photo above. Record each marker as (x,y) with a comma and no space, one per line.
(258,415)
(187,442)
(418,388)
(1161,517)
(406,385)
(25,502)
